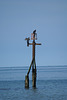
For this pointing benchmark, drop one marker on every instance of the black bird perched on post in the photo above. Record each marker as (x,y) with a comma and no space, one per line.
(27,41)
(34,31)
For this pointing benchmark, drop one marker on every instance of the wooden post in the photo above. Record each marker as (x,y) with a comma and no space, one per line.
(33,64)
(34,78)
(26,81)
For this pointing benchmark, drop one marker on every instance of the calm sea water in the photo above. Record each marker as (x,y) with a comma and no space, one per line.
(51,83)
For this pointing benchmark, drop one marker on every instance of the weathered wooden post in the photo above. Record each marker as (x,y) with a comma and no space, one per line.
(26,81)
(33,63)
(33,37)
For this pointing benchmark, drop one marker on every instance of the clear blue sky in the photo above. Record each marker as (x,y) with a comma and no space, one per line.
(18,19)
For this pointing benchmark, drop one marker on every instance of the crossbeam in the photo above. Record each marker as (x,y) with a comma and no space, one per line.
(35,43)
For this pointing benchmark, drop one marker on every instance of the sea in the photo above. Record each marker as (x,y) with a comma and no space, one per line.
(51,83)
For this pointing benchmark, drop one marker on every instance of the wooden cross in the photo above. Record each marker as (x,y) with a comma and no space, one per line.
(33,63)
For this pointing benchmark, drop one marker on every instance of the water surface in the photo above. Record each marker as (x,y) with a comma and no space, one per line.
(51,83)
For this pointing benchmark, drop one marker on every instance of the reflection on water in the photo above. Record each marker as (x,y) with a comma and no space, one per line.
(51,83)
(46,90)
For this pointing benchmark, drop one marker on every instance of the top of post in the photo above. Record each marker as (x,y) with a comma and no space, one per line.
(34,35)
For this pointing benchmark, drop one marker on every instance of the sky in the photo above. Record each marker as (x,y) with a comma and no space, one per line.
(19,18)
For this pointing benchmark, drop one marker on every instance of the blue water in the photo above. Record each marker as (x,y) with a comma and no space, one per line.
(51,83)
